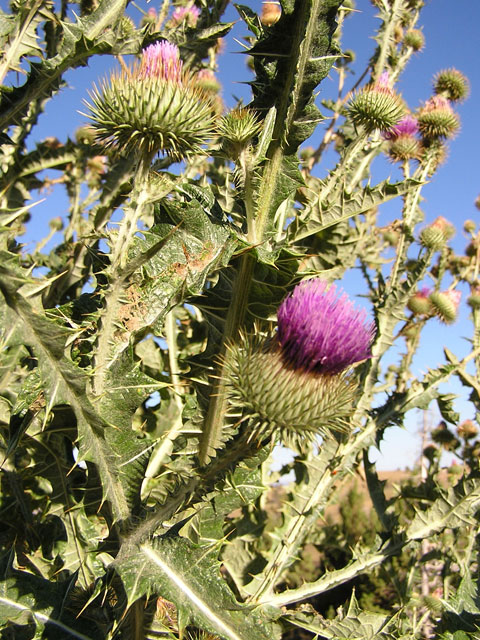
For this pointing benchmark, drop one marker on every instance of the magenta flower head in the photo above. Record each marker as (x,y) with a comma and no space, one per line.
(407,126)
(161,60)
(297,383)
(319,329)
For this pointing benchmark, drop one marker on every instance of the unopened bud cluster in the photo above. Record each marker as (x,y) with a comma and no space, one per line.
(297,383)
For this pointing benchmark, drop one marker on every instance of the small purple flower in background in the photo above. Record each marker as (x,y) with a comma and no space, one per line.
(407,126)
(383,81)
(161,60)
(320,330)
(189,15)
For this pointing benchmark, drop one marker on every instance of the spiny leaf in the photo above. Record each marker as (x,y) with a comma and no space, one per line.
(190,577)
(65,383)
(321,214)
(456,507)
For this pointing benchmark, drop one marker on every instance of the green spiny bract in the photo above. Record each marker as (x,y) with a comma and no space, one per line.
(451,84)
(436,119)
(377,106)
(237,128)
(292,405)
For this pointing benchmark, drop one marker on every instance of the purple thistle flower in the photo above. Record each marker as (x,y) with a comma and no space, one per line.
(188,14)
(319,329)
(161,60)
(407,126)
(383,81)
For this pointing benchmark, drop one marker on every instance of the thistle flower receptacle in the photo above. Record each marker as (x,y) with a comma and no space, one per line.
(297,383)
(271,13)
(451,84)
(377,106)
(445,304)
(419,303)
(156,106)
(436,235)
(404,145)
(436,119)
(320,330)
(415,39)
(237,128)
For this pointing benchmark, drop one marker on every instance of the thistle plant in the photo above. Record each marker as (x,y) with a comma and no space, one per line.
(184,322)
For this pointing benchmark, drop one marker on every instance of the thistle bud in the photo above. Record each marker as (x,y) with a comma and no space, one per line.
(186,15)
(474,298)
(467,430)
(377,106)
(271,13)
(56,224)
(451,84)
(445,304)
(443,436)
(238,128)
(154,107)
(403,143)
(436,119)
(415,39)
(419,303)
(469,226)
(436,235)
(207,81)
(298,382)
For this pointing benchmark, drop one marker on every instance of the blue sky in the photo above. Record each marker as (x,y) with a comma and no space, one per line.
(450,30)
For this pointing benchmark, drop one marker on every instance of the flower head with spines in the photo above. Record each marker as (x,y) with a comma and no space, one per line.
(297,383)
(155,106)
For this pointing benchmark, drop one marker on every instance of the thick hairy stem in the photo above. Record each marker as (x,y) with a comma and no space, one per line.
(394,16)
(118,258)
(211,434)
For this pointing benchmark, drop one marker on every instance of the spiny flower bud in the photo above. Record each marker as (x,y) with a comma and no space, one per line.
(474,298)
(436,235)
(156,106)
(207,80)
(419,303)
(451,84)
(377,106)
(436,119)
(237,129)
(414,38)
(443,436)
(186,15)
(56,224)
(445,304)
(469,226)
(467,430)
(403,143)
(271,13)
(297,383)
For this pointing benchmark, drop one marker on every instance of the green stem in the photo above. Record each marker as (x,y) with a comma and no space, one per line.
(211,434)
(118,258)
